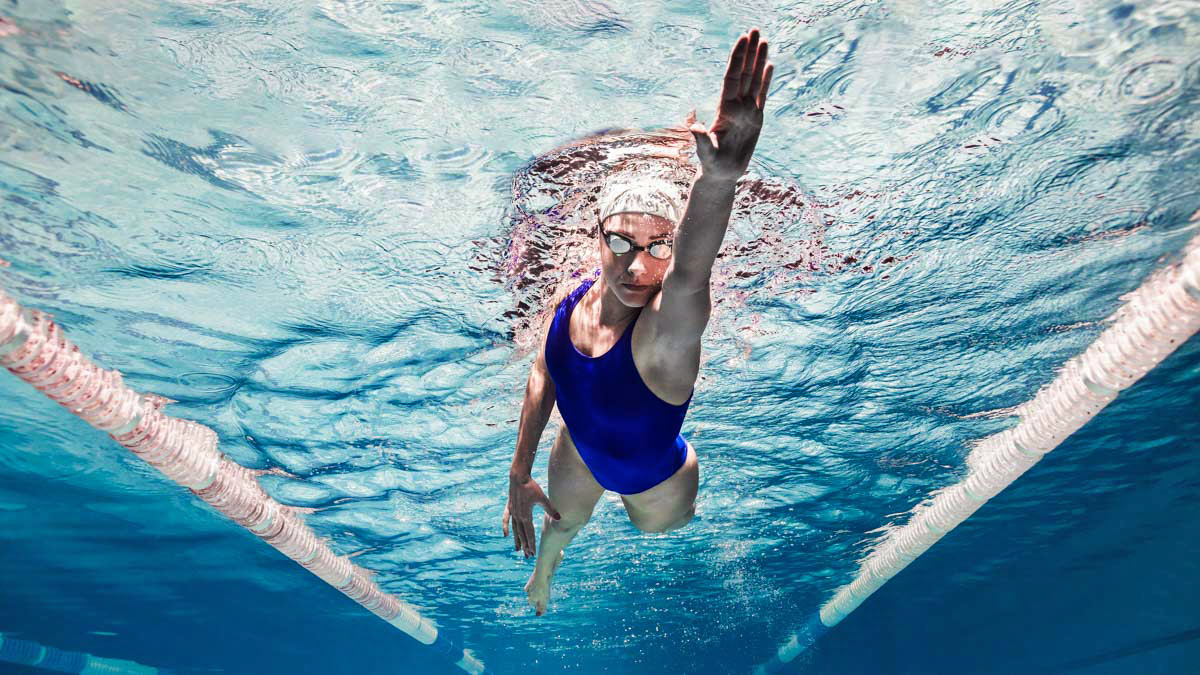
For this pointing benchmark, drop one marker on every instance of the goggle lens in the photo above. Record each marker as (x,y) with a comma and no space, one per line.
(660,251)
(620,245)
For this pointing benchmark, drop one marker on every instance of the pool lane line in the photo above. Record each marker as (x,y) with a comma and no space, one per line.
(1139,647)
(34,348)
(1158,317)
(34,655)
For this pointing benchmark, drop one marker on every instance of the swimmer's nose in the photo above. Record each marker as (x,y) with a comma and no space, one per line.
(637,268)
(642,277)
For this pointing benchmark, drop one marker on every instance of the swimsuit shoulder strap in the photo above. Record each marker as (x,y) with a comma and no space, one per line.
(562,312)
(568,303)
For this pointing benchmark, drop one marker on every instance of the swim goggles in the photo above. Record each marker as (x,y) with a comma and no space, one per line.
(620,244)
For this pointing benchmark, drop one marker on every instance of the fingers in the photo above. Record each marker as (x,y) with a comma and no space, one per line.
(522,531)
(524,534)
(528,536)
(766,86)
(754,83)
(518,532)
(731,88)
(749,64)
(550,508)
(745,75)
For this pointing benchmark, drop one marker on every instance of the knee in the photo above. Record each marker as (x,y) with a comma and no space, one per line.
(664,525)
(683,520)
(570,523)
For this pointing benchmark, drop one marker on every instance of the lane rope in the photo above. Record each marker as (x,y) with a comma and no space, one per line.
(1158,317)
(34,348)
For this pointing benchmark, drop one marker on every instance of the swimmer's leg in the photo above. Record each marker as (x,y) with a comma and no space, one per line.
(574,492)
(669,505)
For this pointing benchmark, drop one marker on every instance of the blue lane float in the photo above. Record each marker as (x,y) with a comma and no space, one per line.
(797,642)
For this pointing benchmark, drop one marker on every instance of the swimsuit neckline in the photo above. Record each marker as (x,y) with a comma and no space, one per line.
(571,301)
(582,290)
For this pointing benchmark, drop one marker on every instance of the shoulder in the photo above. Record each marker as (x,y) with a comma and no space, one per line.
(558,300)
(675,321)
(668,361)
(551,310)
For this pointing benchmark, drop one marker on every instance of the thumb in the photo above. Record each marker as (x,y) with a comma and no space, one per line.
(704,143)
(550,509)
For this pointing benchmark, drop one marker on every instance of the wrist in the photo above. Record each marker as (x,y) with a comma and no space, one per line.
(519,475)
(712,179)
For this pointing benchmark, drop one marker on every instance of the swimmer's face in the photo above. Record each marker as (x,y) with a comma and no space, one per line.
(635,276)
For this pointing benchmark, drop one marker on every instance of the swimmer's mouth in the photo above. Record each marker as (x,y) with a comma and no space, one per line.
(633,287)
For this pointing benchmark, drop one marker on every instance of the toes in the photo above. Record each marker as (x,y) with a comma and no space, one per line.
(538,605)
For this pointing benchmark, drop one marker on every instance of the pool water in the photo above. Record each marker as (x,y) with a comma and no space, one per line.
(326,230)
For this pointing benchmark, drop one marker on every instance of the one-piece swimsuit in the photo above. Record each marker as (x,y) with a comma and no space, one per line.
(625,433)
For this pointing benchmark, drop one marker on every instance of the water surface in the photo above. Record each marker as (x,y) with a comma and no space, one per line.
(325,228)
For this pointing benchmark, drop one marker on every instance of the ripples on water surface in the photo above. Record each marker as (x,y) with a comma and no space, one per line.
(326,228)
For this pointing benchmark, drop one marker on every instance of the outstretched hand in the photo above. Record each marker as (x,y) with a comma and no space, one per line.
(523,493)
(725,148)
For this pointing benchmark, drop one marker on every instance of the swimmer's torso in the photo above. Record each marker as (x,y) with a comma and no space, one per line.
(623,431)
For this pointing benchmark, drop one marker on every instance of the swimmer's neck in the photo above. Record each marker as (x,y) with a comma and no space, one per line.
(613,312)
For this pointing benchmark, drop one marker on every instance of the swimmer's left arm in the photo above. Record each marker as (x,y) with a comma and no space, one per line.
(724,150)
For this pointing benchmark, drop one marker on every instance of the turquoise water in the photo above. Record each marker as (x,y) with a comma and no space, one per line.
(325,228)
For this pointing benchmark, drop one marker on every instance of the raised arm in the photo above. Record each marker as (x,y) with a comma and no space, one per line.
(724,150)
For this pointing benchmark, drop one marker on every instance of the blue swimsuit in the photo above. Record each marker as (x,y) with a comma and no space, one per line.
(626,435)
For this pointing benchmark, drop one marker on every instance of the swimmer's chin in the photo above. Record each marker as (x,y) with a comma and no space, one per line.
(636,296)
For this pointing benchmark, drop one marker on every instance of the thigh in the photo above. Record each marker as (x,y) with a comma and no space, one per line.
(668,501)
(572,488)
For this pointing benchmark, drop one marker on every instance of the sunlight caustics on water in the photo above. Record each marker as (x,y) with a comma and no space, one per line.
(325,229)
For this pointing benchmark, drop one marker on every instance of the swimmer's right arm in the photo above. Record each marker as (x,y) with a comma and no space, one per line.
(523,490)
(535,414)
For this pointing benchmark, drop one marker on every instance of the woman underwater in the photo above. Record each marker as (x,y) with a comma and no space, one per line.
(621,353)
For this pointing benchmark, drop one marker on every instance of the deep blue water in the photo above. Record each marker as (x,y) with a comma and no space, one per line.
(325,229)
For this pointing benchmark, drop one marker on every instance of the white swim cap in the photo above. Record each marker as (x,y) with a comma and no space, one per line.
(640,194)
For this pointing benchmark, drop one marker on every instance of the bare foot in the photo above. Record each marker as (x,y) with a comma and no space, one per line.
(538,587)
